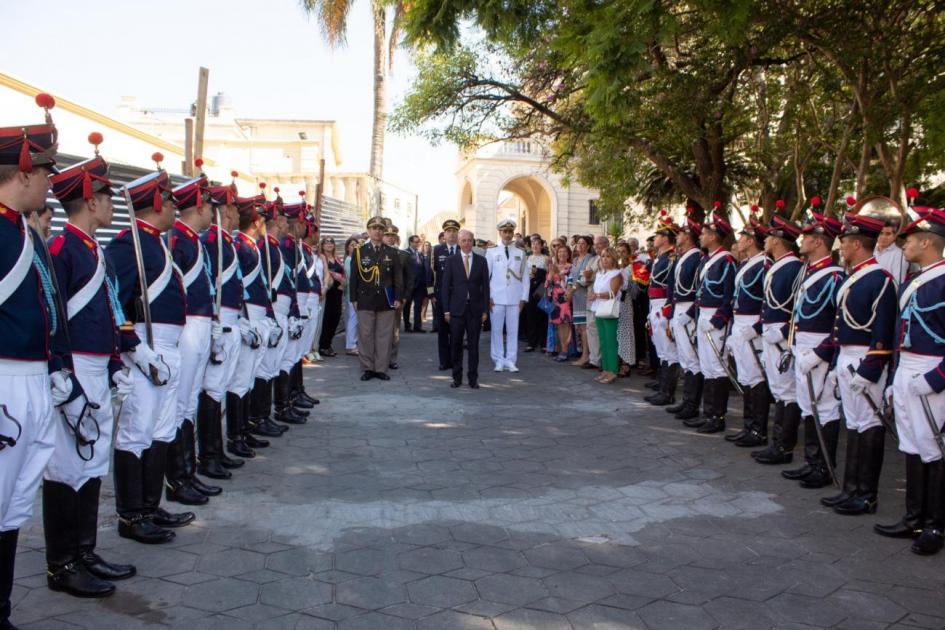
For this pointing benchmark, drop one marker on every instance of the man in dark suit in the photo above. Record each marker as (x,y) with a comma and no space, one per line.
(441,253)
(418,291)
(465,298)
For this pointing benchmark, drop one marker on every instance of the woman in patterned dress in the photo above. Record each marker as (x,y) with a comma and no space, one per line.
(560,291)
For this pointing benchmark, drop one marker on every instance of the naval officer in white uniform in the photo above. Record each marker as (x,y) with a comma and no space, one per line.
(508,291)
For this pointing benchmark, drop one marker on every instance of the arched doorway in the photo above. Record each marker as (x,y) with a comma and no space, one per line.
(466,201)
(528,201)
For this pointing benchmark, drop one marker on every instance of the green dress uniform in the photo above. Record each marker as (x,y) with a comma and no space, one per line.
(376,283)
(406,278)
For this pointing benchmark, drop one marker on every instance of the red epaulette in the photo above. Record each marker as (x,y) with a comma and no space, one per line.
(122,233)
(56,246)
(211,236)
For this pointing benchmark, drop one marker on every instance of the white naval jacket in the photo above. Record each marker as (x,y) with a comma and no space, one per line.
(508,277)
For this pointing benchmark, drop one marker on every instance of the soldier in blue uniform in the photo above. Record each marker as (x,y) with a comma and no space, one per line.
(202,335)
(32,379)
(259,331)
(440,253)
(780,286)
(713,312)
(89,289)
(660,278)
(221,371)
(918,388)
(146,424)
(860,348)
(290,370)
(746,305)
(313,284)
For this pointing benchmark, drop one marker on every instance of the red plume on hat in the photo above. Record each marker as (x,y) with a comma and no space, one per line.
(25,161)
(262,189)
(850,201)
(779,204)
(912,194)
(47,102)
(95,139)
(199,164)
(157,157)
(814,201)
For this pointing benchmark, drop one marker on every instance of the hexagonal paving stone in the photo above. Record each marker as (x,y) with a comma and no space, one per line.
(220,595)
(376,621)
(526,618)
(295,594)
(510,589)
(670,616)
(301,561)
(555,556)
(577,586)
(431,561)
(366,561)
(370,593)
(452,620)
(494,559)
(441,591)
(231,562)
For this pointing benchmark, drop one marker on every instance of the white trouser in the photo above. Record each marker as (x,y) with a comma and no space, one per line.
(149,412)
(194,349)
(593,338)
(273,359)
(708,359)
(319,318)
(915,434)
(351,328)
(311,326)
(294,347)
(780,383)
(824,379)
(746,360)
(24,391)
(218,377)
(686,353)
(507,315)
(251,360)
(665,347)
(857,413)
(67,464)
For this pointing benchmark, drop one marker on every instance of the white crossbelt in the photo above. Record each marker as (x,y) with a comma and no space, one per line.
(12,281)
(194,272)
(926,276)
(277,279)
(229,271)
(84,295)
(250,278)
(817,275)
(751,264)
(160,283)
(716,257)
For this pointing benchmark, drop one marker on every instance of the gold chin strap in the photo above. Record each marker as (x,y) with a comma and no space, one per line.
(373,272)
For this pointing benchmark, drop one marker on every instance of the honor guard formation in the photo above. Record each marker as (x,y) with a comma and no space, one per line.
(201,314)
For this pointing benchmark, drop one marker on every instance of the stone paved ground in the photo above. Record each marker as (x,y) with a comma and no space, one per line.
(541,501)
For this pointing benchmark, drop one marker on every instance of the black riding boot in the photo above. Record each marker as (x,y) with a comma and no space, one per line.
(686,393)
(692,398)
(705,399)
(179,487)
(64,572)
(259,421)
(245,423)
(190,462)
(760,409)
(811,452)
(296,391)
(715,423)
(661,374)
(300,385)
(748,417)
(133,519)
(7,562)
(851,470)
(154,460)
(88,536)
(283,405)
(787,417)
(235,443)
(821,475)
(910,525)
(211,449)
(872,443)
(932,538)
(667,395)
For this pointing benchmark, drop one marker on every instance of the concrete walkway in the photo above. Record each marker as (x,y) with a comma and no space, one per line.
(540,501)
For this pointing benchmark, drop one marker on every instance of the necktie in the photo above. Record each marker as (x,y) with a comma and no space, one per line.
(506,252)
(452,251)
(466,263)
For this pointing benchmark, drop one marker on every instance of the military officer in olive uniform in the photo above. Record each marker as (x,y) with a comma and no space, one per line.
(377,289)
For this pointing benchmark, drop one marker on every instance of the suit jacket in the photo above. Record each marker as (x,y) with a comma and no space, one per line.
(441,254)
(417,269)
(462,295)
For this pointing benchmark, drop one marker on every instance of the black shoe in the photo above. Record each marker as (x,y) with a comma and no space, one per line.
(734,437)
(929,542)
(98,567)
(163,518)
(381,376)
(695,423)
(715,424)
(289,415)
(393,366)
(254,442)
(301,403)
(183,492)
(141,529)
(455,384)
(798,473)
(240,448)
(216,469)
(73,579)
(265,429)
(819,478)
(688,412)
(474,384)
(203,488)
(774,455)
(229,462)
(854,506)
(369,375)
(751,440)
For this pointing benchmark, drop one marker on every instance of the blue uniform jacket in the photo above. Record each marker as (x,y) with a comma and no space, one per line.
(866,316)
(750,286)
(288,258)
(232,289)
(683,281)
(922,320)
(816,305)
(780,284)
(250,257)
(441,254)
(170,307)
(660,275)
(185,245)
(717,287)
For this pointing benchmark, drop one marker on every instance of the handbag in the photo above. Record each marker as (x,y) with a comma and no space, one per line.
(607,309)
(546,305)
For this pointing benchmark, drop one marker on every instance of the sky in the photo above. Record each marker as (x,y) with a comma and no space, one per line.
(267,56)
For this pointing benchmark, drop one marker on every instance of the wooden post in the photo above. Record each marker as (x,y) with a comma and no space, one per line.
(188,166)
(318,192)
(202,80)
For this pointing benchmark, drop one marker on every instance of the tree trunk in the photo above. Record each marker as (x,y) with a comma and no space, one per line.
(380,90)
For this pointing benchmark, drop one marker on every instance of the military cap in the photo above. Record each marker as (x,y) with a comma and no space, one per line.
(924,219)
(451,224)
(717,223)
(151,190)
(26,146)
(665,225)
(192,193)
(82,180)
(782,228)
(506,224)
(376,222)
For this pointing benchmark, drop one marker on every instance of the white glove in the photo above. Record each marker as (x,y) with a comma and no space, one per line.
(124,382)
(919,385)
(60,387)
(312,311)
(684,319)
(249,333)
(746,333)
(275,334)
(216,338)
(858,384)
(295,328)
(144,357)
(705,325)
(807,360)
(888,395)
(773,335)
